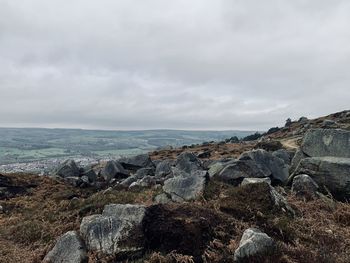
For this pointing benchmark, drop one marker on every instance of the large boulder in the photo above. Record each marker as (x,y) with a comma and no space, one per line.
(235,172)
(270,165)
(304,186)
(141,173)
(253,243)
(283,154)
(118,231)
(68,169)
(188,162)
(69,248)
(185,188)
(136,162)
(326,142)
(113,169)
(163,168)
(330,173)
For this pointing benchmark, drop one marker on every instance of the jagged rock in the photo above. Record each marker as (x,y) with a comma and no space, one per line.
(215,169)
(330,173)
(146,181)
(118,231)
(136,162)
(185,188)
(304,185)
(69,248)
(163,168)
(68,169)
(141,173)
(253,242)
(235,172)
(326,142)
(91,175)
(284,155)
(270,165)
(299,155)
(188,162)
(255,180)
(113,169)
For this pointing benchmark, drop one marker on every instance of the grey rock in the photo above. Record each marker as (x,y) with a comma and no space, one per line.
(91,175)
(141,173)
(128,181)
(68,169)
(270,165)
(204,154)
(69,248)
(163,168)
(113,169)
(186,188)
(1,209)
(329,123)
(74,181)
(284,155)
(255,180)
(117,231)
(188,162)
(330,173)
(299,155)
(303,120)
(136,162)
(234,173)
(253,242)
(326,142)
(304,185)
(146,181)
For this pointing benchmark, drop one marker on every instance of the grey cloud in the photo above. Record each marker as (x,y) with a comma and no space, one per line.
(133,64)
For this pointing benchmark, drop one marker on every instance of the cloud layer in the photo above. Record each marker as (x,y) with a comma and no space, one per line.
(200,64)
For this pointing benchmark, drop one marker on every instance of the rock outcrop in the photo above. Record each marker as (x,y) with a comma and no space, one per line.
(113,169)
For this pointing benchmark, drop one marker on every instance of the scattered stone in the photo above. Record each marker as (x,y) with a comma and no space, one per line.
(128,181)
(188,162)
(74,181)
(91,175)
(68,169)
(136,162)
(113,169)
(186,188)
(162,199)
(330,173)
(69,248)
(304,185)
(255,180)
(118,231)
(329,124)
(253,243)
(146,181)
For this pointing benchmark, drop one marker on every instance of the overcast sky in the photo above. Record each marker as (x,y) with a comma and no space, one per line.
(198,64)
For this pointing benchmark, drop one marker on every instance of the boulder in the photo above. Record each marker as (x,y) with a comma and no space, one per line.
(215,169)
(204,154)
(141,173)
(235,172)
(91,175)
(329,124)
(326,142)
(188,162)
(330,173)
(113,169)
(146,181)
(69,248)
(270,165)
(118,231)
(68,169)
(163,168)
(128,181)
(253,243)
(303,185)
(186,188)
(136,162)
(162,199)
(74,181)
(298,156)
(255,180)
(284,155)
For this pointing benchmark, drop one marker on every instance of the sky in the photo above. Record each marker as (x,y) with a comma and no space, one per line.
(156,64)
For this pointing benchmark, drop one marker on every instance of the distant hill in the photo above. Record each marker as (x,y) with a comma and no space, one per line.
(31,144)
